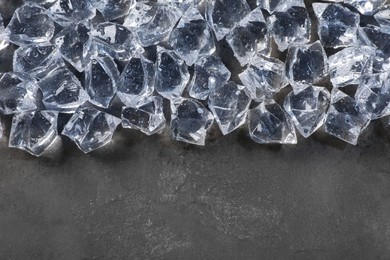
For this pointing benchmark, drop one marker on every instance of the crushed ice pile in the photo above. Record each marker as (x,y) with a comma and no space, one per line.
(87,58)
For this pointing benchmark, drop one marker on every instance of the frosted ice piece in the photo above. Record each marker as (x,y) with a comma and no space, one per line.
(307,108)
(289,27)
(269,124)
(346,66)
(116,41)
(30,25)
(65,12)
(146,115)
(33,131)
(182,4)
(18,93)
(272,5)
(345,119)
(209,73)
(383,17)
(264,77)
(136,80)
(91,128)
(113,9)
(337,25)
(43,3)
(377,37)
(230,105)
(224,15)
(192,37)
(249,37)
(190,121)
(152,22)
(37,61)
(3,37)
(172,75)
(306,64)
(76,46)
(101,78)
(366,7)
(62,91)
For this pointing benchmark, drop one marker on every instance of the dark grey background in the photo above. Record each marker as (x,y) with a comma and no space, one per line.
(149,197)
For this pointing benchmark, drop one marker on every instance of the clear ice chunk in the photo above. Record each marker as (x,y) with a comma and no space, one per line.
(209,74)
(101,80)
(33,131)
(37,61)
(113,9)
(65,12)
(116,41)
(43,3)
(62,91)
(192,37)
(136,80)
(383,17)
(306,64)
(249,37)
(346,66)
(272,5)
(307,108)
(290,25)
(3,36)
(190,121)
(366,7)
(172,74)
(269,124)
(30,25)
(152,22)
(337,25)
(224,15)
(76,45)
(91,128)
(230,105)
(376,37)
(146,115)
(345,119)
(264,77)
(18,93)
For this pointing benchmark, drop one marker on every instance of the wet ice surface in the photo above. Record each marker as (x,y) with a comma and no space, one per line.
(258,64)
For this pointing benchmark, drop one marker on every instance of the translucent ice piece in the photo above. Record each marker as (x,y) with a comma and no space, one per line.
(113,9)
(1,129)
(90,128)
(30,25)
(209,73)
(152,22)
(306,64)
(182,4)
(337,25)
(33,131)
(249,37)
(192,37)
(376,37)
(264,77)
(307,108)
(76,46)
(43,3)
(62,91)
(101,78)
(346,66)
(116,41)
(229,105)
(273,5)
(190,121)
(146,115)
(224,15)
(383,17)
(65,12)
(346,119)
(269,124)
(37,61)
(18,93)
(289,26)
(136,80)
(172,75)
(366,7)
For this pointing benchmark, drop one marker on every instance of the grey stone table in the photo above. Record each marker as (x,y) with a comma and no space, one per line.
(149,197)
